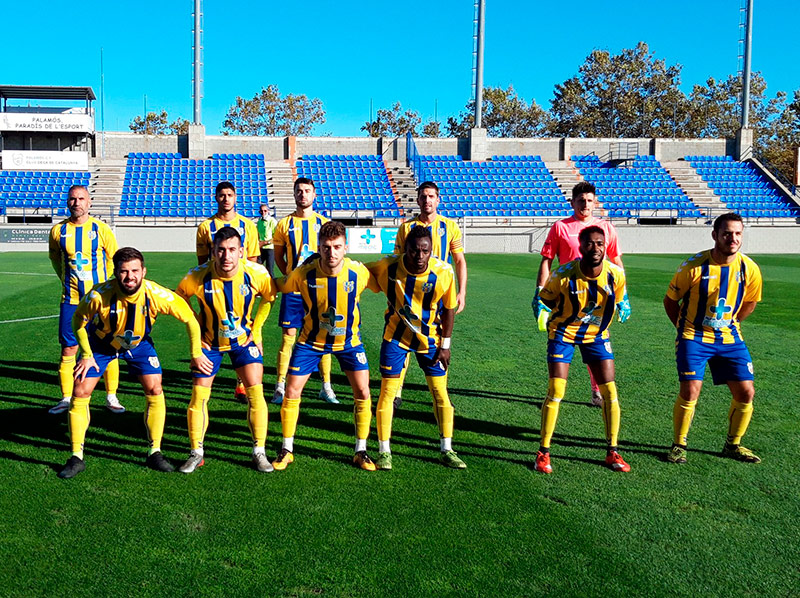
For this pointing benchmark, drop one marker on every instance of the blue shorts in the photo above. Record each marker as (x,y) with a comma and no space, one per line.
(291,311)
(65,334)
(561,352)
(393,358)
(142,359)
(240,356)
(305,360)
(727,362)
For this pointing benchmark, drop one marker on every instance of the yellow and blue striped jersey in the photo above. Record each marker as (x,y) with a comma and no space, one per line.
(81,256)
(584,306)
(246,227)
(412,316)
(445,234)
(226,304)
(710,296)
(332,320)
(119,322)
(300,237)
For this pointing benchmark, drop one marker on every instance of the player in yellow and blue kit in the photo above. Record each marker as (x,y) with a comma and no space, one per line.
(295,239)
(421,295)
(330,286)
(226,288)
(113,321)
(710,294)
(583,295)
(448,246)
(80,250)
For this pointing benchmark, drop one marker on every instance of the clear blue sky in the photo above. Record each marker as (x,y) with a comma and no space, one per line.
(348,53)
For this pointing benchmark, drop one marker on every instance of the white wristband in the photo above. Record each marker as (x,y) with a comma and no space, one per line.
(445,342)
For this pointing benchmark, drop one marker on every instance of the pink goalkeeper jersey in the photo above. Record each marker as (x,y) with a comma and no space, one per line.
(562,240)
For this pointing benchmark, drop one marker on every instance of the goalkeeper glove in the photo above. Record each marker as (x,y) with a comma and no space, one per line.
(624,308)
(540,311)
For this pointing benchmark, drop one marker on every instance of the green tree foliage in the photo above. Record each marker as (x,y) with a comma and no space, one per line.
(393,122)
(630,94)
(432,128)
(780,146)
(158,124)
(269,113)
(505,114)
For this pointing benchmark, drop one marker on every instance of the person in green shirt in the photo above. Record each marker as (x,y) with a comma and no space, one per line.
(266,228)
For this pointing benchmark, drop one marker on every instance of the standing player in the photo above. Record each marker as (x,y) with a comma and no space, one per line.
(266,230)
(583,295)
(710,294)
(114,320)
(81,248)
(226,287)
(562,241)
(421,293)
(296,238)
(448,246)
(330,287)
(226,215)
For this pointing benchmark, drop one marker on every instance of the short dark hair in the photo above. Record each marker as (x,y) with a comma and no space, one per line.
(584,234)
(84,187)
(127,254)
(427,185)
(303,181)
(224,185)
(583,187)
(332,230)
(727,217)
(419,232)
(225,233)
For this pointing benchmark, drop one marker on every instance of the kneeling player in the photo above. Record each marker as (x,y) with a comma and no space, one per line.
(226,287)
(114,320)
(330,287)
(582,295)
(415,284)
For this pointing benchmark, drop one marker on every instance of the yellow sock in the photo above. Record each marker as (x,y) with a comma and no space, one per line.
(111,376)
(66,374)
(442,407)
(611,411)
(402,378)
(257,414)
(739,417)
(290,412)
(556,388)
(155,415)
(78,424)
(682,416)
(197,415)
(325,368)
(385,410)
(362,416)
(285,355)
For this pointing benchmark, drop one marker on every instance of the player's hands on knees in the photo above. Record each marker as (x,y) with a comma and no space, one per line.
(624,309)
(202,364)
(442,356)
(83,366)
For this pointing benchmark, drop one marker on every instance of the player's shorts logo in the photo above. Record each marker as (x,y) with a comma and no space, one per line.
(361,357)
(349,286)
(750,366)
(427,287)
(244,290)
(607,346)
(253,351)
(153,361)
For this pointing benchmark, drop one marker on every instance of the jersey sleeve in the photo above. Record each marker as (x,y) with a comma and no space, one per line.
(165,301)
(681,282)
(550,247)
(449,298)
(188,286)
(400,239)
(752,289)
(281,236)
(251,250)
(619,283)
(456,239)
(612,244)
(54,252)
(552,288)
(266,286)
(203,242)
(292,282)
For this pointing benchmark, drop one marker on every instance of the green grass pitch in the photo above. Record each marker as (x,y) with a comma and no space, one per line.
(322,528)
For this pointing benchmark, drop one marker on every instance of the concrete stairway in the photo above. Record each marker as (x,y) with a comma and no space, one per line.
(105,187)
(566,176)
(693,185)
(280,184)
(404,186)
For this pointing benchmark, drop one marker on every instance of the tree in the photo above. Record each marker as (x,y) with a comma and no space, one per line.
(432,128)
(784,139)
(267,113)
(158,124)
(630,94)
(393,122)
(505,114)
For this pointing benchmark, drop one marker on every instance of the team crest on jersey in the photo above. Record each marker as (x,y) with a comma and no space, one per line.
(241,230)
(244,290)
(253,351)
(154,361)
(92,235)
(442,232)
(317,226)
(362,358)
(349,286)
(427,287)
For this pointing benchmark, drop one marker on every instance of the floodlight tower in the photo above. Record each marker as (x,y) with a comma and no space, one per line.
(746,70)
(198,64)
(479,66)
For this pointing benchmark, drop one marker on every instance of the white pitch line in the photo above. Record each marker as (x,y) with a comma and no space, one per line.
(27,319)
(29,273)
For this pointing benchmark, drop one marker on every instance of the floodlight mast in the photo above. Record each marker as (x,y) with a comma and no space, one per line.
(746,70)
(198,94)
(479,67)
